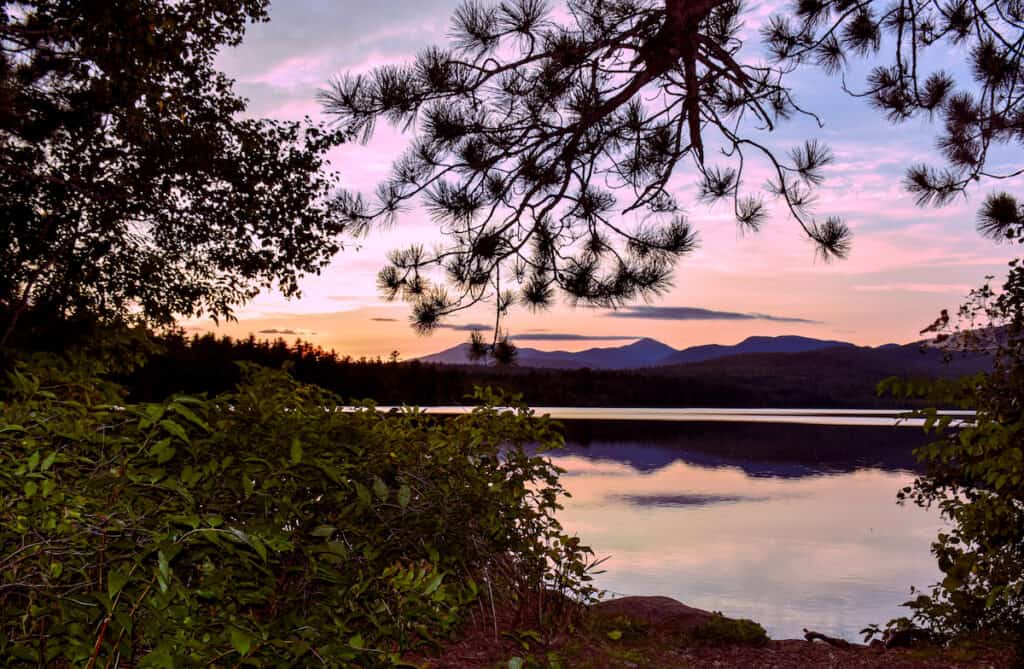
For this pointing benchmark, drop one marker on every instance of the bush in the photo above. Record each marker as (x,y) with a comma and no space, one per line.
(719,630)
(974,474)
(266,527)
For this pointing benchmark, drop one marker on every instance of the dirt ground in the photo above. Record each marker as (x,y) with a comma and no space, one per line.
(661,633)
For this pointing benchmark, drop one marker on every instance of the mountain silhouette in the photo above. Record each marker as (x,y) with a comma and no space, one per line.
(783,344)
(644,352)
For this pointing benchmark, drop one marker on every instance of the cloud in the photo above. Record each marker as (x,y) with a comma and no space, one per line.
(385,320)
(941,288)
(565,336)
(467,327)
(537,334)
(698,314)
(285,332)
(534,335)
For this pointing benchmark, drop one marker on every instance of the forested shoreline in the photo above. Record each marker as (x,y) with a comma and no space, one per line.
(832,378)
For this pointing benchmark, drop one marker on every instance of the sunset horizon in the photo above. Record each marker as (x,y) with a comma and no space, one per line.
(906,264)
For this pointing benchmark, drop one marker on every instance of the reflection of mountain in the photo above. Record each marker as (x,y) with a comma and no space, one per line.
(762,450)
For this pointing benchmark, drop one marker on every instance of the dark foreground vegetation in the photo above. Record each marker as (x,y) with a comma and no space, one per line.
(261,527)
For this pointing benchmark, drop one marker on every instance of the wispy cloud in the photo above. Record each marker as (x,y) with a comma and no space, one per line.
(698,314)
(565,336)
(539,335)
(941,288)
(276,331)
(466,327)
(385,320)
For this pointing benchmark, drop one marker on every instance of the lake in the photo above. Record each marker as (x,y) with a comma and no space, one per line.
(791,523)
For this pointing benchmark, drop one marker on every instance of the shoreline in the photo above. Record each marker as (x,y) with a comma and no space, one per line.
(656,632)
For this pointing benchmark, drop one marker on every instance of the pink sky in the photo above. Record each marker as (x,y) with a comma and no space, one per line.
(907,263)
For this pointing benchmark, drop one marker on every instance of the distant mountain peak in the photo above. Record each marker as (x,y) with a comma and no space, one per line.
(644,352)
(650,343)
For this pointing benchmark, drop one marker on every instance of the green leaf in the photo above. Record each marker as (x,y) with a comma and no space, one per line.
(615,635)
(175,429)
(161,658)
(30,488)
(380,489)
(241,641)
(363,493)
(258,546)
(115,581)
(33,461)
(165,455)
(48,462)
(434,584)
(404,495)
(189,415)
(357,642)
(296,451)
(164,566)
(515,663)
(162,451)
(324,530)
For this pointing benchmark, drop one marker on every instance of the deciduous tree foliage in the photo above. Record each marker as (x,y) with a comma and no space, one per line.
(546,136)
(975,474)
(130,184)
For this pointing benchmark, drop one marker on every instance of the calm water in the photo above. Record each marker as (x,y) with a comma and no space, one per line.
(793,525)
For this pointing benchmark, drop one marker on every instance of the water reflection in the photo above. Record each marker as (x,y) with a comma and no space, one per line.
(793,526)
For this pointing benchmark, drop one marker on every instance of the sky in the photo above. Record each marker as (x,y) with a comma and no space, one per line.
(907,263)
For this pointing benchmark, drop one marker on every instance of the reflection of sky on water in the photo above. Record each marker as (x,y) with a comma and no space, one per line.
(788,544)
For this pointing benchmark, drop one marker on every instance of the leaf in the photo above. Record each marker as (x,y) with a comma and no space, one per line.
(165,455)
(296,451)
(357,642)
(33,461)
(380,489)
(175,429)
(189,415)
(324,530)
(434,584)
(404,495)
(48,462)
(162,451)
(241,641)
(363,493)
(115,582)
(515,663)
(30,488)
(615,635)
(164,565)
(161,658)
(258,546)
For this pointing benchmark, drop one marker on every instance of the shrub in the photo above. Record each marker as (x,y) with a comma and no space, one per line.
(719,630)
(974,474)
(265,527)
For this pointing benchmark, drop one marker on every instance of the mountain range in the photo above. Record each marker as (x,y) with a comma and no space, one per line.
(646,352)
